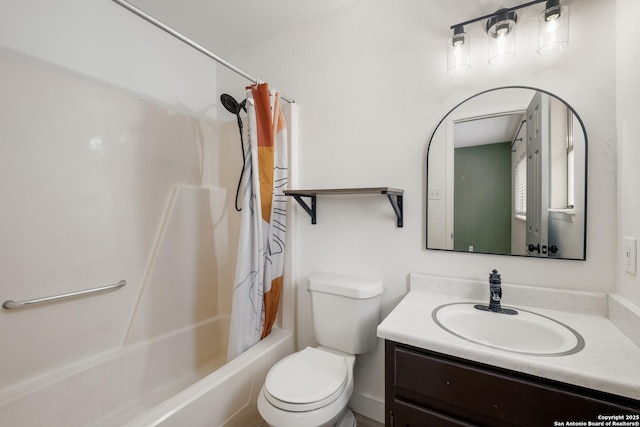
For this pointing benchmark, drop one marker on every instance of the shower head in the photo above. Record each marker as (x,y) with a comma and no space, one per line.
(231,104)
(233,107)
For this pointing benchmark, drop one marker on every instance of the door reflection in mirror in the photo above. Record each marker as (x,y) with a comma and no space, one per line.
(506,174)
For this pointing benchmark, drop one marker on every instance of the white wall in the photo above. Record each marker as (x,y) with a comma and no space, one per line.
(628,126)
(371,83)
(101,40)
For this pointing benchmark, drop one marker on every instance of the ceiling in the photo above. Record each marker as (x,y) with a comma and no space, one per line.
(489,130)
(224,26)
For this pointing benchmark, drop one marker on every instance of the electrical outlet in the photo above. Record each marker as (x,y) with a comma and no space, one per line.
(630,254)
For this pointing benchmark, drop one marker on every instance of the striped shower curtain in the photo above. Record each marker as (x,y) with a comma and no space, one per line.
(260,260)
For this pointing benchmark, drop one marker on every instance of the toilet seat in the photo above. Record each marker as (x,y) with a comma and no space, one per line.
(306,380)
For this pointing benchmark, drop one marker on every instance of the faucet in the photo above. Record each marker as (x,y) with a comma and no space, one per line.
(495,291)
(495,296)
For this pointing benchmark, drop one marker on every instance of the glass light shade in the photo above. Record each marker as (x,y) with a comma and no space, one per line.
(458,49)
(553,29)
(502,47)
(502,38)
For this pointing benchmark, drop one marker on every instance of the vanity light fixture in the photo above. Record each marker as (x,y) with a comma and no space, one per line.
(500,27)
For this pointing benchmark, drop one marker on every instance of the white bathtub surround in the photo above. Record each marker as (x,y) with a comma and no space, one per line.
(85,175)
(116,386)
(610,361)
(181,283)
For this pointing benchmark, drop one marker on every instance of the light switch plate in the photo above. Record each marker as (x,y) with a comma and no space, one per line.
(435,194)
(630,254)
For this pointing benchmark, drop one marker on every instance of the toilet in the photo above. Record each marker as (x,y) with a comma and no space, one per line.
(311,388)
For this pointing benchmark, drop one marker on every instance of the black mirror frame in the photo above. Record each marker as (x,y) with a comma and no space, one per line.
(586,172)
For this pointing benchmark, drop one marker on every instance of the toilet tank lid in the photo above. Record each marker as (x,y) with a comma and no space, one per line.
(349,286)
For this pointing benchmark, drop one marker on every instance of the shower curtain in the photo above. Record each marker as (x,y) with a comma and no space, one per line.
(260,260)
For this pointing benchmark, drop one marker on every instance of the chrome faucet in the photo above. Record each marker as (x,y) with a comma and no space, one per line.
(495,296)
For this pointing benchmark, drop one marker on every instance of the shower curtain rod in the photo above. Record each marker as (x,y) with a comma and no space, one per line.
(142,14)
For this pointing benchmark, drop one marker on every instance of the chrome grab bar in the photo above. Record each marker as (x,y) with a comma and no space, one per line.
(10,304)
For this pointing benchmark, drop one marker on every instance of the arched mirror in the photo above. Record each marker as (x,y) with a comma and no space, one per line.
(507,174)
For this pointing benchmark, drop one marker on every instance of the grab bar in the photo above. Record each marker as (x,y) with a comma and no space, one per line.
(10,304)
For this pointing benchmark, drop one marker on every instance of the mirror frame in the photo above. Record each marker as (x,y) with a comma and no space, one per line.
(586,173)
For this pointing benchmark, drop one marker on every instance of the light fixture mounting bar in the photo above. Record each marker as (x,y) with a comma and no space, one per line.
(491,15)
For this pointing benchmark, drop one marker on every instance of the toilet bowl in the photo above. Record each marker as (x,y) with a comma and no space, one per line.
(309,388)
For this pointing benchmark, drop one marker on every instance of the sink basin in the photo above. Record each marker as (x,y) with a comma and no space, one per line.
(526,332)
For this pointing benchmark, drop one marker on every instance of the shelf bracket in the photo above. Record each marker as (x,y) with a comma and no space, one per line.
(396,204)
(393,194)
(311,211)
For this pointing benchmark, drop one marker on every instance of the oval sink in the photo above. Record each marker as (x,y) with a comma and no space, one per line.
(525,332)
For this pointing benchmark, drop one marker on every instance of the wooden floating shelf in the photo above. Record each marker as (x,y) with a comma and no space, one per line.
(393,194)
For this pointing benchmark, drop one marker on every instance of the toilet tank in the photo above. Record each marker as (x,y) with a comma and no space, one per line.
(345,311)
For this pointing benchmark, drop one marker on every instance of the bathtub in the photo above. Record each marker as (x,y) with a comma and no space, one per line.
(179,379)
(227,397)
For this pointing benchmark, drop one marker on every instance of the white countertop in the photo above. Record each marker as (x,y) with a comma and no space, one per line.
(610,361)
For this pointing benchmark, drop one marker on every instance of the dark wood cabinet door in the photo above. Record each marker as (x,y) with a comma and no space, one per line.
(425,388)
(408,415)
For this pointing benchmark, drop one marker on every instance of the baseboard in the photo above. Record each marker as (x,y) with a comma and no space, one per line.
(367,406)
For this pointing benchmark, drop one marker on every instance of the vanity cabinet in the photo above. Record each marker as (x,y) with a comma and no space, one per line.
(424,388)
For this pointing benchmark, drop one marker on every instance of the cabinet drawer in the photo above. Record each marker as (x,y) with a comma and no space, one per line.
(408,415)
(469,392)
